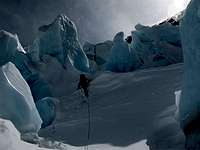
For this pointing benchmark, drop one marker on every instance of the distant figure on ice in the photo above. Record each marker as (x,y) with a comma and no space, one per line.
(129,39)
(83,84)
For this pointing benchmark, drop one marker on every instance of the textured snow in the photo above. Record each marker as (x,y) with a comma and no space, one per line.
(16,101)
(116,99)
(10,138)
(60,40)
(166,133)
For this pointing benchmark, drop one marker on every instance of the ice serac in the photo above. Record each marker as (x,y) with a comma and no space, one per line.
(8,46)
(98,54)
(159,45)
(47,109)
(190,102)
(11,50)
(39,87)
(121,58)
(16,101)
(60,39)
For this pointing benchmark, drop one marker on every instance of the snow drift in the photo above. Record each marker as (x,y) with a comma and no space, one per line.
(10,139)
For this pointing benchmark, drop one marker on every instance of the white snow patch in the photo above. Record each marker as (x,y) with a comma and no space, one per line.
(141,145)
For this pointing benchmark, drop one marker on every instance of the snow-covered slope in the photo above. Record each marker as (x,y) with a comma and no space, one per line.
(123,107)
(10,138)
(166,132)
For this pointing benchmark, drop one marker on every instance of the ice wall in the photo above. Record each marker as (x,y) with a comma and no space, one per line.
(60,39)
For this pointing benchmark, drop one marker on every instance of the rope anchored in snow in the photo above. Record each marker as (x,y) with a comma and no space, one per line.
(83,85)
(89,124)
(89,121)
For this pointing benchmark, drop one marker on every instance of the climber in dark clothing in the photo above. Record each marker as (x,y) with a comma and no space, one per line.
(129,39)
(83,84)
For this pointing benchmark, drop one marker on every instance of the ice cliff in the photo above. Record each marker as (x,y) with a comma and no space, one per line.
(148,46)
(60,39)
(189,104)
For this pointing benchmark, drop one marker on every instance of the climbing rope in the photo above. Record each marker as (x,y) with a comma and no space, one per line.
(89,121)
(89,124)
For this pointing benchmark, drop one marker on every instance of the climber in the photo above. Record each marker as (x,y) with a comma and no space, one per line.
(129,39)
(83,84)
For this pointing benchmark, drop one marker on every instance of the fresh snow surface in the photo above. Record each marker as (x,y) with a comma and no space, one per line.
(123,109)
(10,140)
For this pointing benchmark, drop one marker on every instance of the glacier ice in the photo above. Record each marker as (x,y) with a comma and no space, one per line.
(121,58)
(60,39)
(47,110)
(177,102)
(39,87)
(159,45)
(175,20)
(191,44)
(11,50)
(189,113)
(16,101)
(8,46)
(151,46)
(98,52)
